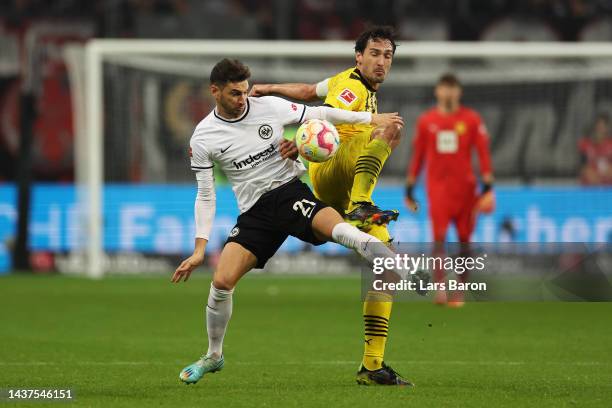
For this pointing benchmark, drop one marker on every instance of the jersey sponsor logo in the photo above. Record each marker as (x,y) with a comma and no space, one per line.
(447,141)
(347,97)
(265,132)
(254,159)
(225,150)
(235,231)
(460,128)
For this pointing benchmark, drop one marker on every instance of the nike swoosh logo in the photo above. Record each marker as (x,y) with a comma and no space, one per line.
(225,150)
(213,308)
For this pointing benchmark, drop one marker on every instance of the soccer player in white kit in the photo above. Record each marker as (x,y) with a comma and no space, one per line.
(244,136)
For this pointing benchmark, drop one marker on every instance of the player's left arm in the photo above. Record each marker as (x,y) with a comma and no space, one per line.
(486,201)
(296,91)
(484,153)
(416,163)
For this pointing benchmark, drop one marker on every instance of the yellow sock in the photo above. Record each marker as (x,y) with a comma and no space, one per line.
(376,313)
(368,167)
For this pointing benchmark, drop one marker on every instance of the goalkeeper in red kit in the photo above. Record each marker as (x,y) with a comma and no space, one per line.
(444,140)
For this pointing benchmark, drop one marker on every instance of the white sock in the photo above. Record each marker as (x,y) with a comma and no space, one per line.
(366,245)
(218,313)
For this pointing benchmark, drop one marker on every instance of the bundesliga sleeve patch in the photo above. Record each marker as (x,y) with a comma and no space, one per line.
(347,97)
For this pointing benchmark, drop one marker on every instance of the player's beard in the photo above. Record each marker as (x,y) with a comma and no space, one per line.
(374,79)
(232,110)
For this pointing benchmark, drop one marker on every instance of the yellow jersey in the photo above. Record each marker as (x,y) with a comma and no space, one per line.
(350,91)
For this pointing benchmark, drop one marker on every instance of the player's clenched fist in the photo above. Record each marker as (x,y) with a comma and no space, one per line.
(288,149)
(260,90)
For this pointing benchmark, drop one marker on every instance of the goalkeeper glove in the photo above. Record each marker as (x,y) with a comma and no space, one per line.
(486,200)
(409,200)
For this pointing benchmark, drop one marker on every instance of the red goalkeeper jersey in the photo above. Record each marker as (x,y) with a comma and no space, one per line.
(445,143)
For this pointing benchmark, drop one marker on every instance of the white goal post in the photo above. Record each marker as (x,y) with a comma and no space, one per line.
(90,166)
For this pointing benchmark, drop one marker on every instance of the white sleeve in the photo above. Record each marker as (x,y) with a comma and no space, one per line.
(336,116)
(288,112)
(205,203)
(323,88)
(199,156)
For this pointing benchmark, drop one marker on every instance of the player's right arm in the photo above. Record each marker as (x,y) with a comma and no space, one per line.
(296,91)
(204,211)
(416,164)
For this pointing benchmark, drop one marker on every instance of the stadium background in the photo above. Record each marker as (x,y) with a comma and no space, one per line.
(535,124)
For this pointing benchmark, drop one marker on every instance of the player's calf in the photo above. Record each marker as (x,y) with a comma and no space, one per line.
(370,162)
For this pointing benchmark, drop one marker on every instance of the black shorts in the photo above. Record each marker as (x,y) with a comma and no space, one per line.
(286,210)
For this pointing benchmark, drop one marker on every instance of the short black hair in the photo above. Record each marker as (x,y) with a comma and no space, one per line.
(375,33)
(449,79)
(229,70)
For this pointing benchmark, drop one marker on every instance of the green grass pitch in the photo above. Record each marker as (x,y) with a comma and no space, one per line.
(294,342)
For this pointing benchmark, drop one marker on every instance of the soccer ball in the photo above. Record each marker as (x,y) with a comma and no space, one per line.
(317,140)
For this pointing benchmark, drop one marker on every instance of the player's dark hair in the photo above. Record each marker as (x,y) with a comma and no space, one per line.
(375,33)
(449,79)
(229,70)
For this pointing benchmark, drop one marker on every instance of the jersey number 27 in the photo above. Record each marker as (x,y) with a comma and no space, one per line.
(305,206)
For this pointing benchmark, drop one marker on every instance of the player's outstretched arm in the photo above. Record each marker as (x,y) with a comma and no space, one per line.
(204,213)
(339,116)
(298,92)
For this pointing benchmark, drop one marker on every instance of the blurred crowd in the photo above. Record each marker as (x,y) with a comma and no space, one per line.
(49,24)
(523,20)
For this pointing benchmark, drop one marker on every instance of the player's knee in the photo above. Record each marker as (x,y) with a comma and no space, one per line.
(391,134)
(223,282)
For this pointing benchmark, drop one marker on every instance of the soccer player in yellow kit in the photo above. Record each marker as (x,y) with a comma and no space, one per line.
(347,180)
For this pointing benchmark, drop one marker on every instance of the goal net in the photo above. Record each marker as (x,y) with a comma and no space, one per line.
(139,100)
